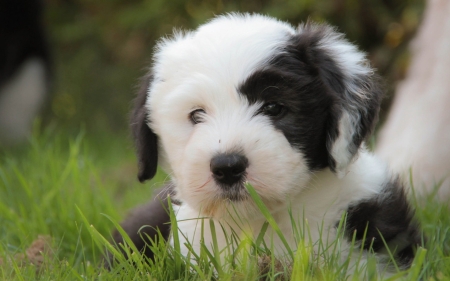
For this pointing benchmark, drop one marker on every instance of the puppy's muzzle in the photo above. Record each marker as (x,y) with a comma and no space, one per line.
(229,169)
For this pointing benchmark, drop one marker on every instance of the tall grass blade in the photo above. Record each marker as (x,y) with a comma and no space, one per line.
(266,213)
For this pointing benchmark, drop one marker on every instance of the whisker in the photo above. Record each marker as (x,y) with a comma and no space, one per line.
(203,185)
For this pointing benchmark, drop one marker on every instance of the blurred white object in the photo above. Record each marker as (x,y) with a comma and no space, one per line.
(416,134)
(20,100)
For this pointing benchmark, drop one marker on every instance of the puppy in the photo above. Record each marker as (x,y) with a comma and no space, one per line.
(247,99)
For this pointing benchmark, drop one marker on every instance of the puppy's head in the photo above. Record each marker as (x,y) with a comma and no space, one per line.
(249,98)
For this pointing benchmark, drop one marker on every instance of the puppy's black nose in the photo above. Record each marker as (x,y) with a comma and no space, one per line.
(228,169)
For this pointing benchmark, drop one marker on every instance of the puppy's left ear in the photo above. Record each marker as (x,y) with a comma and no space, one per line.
(353,88)
(145,139)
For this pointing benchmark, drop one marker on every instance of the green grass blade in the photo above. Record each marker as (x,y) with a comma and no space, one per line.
(266,213)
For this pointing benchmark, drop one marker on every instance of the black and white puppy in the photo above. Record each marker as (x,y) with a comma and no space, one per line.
(247,98)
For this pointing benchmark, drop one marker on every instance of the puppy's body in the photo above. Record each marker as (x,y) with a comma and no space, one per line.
(246,98)
(372,204)
(322,203)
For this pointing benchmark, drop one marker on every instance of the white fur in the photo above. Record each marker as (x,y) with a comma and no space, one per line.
(340,151)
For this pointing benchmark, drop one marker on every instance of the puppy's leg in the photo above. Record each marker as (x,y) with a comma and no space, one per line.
(142,225)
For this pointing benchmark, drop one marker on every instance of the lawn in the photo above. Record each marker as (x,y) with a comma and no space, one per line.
(61,194)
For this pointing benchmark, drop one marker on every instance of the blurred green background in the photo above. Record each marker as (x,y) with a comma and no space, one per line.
(101,47)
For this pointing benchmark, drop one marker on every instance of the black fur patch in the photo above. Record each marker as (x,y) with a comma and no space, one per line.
(306,80)
(387,216)
(146,141)
(143,224)
(291,80)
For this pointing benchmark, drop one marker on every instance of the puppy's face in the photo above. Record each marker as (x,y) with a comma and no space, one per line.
(250,99)
(215,139)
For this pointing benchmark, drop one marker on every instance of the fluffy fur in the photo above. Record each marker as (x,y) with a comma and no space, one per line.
(287,109)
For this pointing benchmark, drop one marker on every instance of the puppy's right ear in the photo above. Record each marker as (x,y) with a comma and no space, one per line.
(145,140)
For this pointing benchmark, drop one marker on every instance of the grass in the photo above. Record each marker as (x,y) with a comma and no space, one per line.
(62,194)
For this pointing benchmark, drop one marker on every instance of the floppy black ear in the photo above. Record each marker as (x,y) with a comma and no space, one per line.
(352,86)
(145,140)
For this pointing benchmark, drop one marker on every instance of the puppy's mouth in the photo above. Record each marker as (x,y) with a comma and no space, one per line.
(236,192)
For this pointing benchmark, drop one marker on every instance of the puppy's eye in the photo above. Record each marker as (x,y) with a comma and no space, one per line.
(196,116)
(272,109)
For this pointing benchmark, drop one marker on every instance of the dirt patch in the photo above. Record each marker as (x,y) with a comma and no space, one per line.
(36,254)
(39,250)
(265,264)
